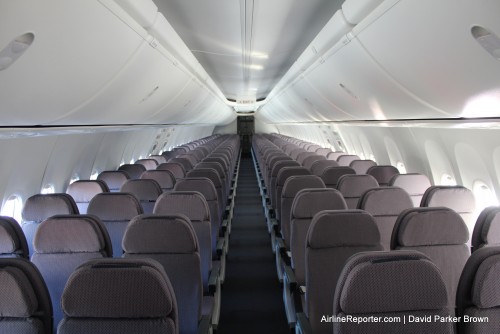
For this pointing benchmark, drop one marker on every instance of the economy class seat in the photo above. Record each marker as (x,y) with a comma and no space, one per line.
(439,233)
(185,162)
(148,163)
(319,166)
(332,238)
(173,167)
(391,284)
(335,155)
(331,175)
(165,178)
(102,297)
(478,292)
(13,242)
(115,210)
(353,186)
(160,159)
(323,151)
(362,166)
(281,178)
(83,191)
(487,229)
(61,244)
(171,240)
(145,190)
(114,179)
(310,160)
(414,184)
(24,298)
(345,160)
(134,171)
(382,173)
(42,206)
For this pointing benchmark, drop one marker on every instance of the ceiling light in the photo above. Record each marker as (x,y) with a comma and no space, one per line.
(259,55)
(488,40)
(255,67)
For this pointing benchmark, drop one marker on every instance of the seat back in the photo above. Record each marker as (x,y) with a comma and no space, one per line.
(439,233)
(331,175)
(274,176)
(457,198)
(382,173)
(12,240)
(145,190)
(323,151)
(82,192)
(42,206)
(385,204)
(281,178)
(115,210)
(213,176)
(24,299)
(225,179)
(362,166)
(114,179)
(160,159)
(61,244)
(384,284)
(335,155)
(171,240)
(332,238)
(193,205)
(478,292)
(173,167)
(102,296)
(134,171)
(414,184)
(319,166)
(309,161)
(487,229)
(149,164)
(290,189)
(345,160)
(353,186)
(185,162)
(165,178)
(307,203)
(303,155)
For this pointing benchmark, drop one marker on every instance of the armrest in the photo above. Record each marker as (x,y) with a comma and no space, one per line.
(303,326)
(204,326)
(213,280)
(290,278)
(220,247)
(223,227)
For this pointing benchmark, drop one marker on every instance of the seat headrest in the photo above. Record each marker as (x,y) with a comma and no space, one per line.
(175,168)
(383,282)
(382,173)
(386,201)
(331,175)
(160,235)
(342,228)
(17,297)
(282,164)
(428,227)
(486,288)
(149,164)
(487,228)
(319,166)
(201,184)
(70,234)
(345,160)
(457,198)
(165,178)
(85,190)
(192,204)
(286,172)
(414,184)
(298,182)
(41,206)
(12,239)
(114,178)
(309,161)
(362,166)
(134,171)
(209,173)
(355,185)
(115,206)
(143,189)
(110,289)
(308,202)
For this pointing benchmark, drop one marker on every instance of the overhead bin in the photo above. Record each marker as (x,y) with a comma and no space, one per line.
(356,10)
(144,12)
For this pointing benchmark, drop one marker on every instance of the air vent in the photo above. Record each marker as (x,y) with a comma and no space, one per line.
(15,49)
(488,40)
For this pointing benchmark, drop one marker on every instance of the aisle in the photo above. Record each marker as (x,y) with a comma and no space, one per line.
(251,296)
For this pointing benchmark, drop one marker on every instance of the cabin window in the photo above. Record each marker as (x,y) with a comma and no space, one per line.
(48,189)
(448,180)
(484,195)
(94,174)
(401,167)
(13,207)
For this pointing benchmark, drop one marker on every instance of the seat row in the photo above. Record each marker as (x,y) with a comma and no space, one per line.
(179,234)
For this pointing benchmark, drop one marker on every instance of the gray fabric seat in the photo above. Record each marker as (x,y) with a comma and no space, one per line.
(309,161)
(24,299)
(345,160)
(331,175)
(391,284)
(439,233)
(175,168)
(185,162)
(335,155)
(114,179)
(332,238)
(457,198)
(165,178)
(487,228)
(145,190)
(102,297)
(171,240)
(160,159)
(83,191)
(383,173)
(362,166)
(115,210)
(319,166)
(149,164)
(64,242)
(385,204)
(271,187)
(134,171)
(283,175)
(323,151)
(307,203)
(478,292)
(414,184)
(302,156)
(225,179)
(42,206)
(12,240)
(353,186)
(213,176)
